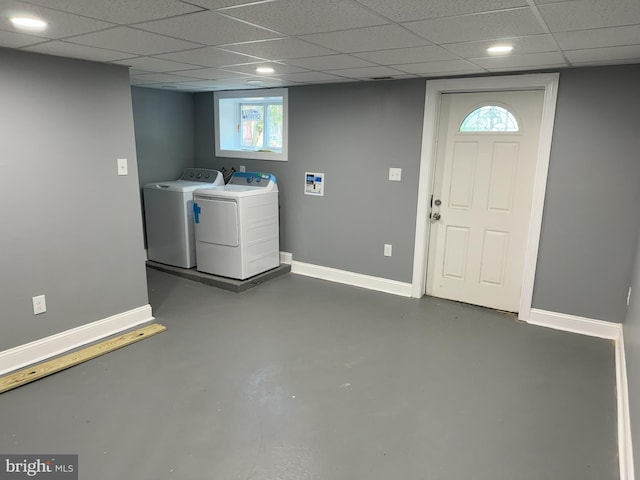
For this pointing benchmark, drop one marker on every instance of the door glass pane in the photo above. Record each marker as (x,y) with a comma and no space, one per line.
(490,118)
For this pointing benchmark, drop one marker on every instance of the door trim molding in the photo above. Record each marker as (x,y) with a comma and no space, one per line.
(548,82)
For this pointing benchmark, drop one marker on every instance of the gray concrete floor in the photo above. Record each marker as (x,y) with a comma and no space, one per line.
(304,379)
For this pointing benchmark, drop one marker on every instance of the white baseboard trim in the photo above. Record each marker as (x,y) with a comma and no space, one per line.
(44,348)
(625,446)
(611,331)
(351,278)
(572,323)
(286,258)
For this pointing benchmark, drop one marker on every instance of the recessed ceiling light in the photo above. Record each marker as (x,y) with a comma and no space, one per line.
(265,70)
(29,23)
(497,49)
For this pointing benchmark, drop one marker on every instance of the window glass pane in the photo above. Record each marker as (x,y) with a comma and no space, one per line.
(490,118)
(275,126)
(252,125)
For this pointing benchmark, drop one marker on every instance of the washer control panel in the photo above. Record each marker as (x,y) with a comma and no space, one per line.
(206,175)
(252,179)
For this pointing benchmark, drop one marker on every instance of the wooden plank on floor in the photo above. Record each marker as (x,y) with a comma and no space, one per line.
(49,367)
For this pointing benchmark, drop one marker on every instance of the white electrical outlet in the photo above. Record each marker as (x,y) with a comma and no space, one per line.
(39,304)
(243,168)
(395,174)
(387,249)
(122,167)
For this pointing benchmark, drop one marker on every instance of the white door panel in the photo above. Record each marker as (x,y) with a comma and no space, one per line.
(484,183)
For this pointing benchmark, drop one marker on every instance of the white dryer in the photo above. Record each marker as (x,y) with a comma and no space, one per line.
(168,208)
(237,227)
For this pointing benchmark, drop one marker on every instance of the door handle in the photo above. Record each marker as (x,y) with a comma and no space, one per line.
(435,217)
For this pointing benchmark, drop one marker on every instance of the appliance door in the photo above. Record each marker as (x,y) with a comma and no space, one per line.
(218,221)
(168,227)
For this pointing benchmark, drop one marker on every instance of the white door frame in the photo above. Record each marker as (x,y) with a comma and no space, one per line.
(435,88)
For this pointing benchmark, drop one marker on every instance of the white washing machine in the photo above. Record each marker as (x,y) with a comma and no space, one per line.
(237,227)
(168,208)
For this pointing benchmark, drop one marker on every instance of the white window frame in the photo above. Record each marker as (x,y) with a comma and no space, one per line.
(227,119)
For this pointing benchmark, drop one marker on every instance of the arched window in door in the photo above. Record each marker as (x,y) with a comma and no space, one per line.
(490,118)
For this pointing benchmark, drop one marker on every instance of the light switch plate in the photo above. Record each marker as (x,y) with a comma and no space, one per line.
(122,167)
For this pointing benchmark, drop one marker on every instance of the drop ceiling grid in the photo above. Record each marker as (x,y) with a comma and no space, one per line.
(120,12)
(200,44)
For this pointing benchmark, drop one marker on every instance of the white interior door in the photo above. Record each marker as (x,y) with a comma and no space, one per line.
(482,193)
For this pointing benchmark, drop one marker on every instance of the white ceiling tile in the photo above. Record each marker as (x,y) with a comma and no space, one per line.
(405,10)
(278,67)
(125,39)
(134,71)
(141,81)
(121,11)
(266,82)
(162,77)
(519,61)
(72,50)
(521,45)
(456,73)
(211,74)
(542,2)
(279,49)
(367,72)
(208,57)
(367,39)
(605,63)
(17,40)
(60,24)
(585,14)
(509,23)
(600,37)
(448,66)
(300,17)
(631,52)
(207,28)
(527,67)
(396,56)
(204,83)
(152,64)
(216,4)
(312,77)
(330,62)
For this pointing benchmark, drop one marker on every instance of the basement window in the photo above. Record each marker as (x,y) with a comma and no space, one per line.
(490,118)
(252,124)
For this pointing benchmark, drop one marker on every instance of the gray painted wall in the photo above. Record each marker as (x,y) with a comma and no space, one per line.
(592,212)
(632,351)
(357,131)
(352,133)
(71,227)
(164,131)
